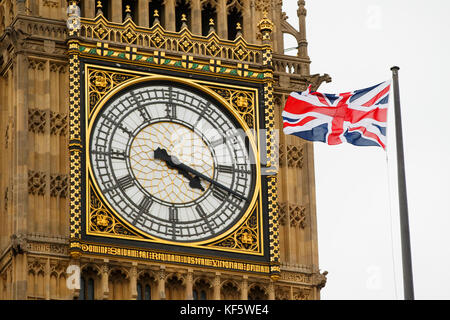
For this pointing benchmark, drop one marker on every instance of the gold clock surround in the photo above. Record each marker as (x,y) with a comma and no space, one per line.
(248,235)
(252,245)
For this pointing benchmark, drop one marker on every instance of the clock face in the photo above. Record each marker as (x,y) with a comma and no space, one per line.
(172,162)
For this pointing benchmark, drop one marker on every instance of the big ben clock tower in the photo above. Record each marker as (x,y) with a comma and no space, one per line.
(141,152)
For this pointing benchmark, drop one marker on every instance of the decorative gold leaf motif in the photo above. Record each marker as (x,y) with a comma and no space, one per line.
(213,48)
(185,44)
(157,40)
(101,82)
(245,238)
(240,53)
(101,220)
(129,36)
(101,32)
(242,101)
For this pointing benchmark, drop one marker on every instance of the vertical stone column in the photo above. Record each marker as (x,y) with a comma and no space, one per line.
(105,280)
(302,44)
(252,23)
(89,8)
(169,15)
(21,7)
(247,22)
(244,288)
(222,22)
(116,11)
(19,169)
(196,17)
(278,41)
(45,149)
(162,283)
(133,281)
(216,293)
(47,279)
(271,290)
(189,284)
(143,18)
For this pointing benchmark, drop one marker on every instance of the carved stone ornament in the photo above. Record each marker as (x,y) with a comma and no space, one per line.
(51,3)
(36,120)
(292,213)
(58,185)
(36,182)
(58,123)
(18,243)
(263,5)
(294,156)
(6,198)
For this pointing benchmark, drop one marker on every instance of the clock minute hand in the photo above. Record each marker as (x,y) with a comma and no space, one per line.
(161,154)
(218,184)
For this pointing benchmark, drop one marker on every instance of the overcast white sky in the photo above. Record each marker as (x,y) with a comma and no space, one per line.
(357,42)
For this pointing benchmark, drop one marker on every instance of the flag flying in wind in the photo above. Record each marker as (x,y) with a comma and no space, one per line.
(358,117)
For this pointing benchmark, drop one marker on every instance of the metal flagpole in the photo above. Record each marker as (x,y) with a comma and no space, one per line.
(403,204)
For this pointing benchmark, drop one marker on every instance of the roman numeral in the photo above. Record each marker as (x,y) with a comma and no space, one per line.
(119,155)
(119,125)
(113,154)
(200,211)
(144,207)
(144,113)
(219,194)
(225,169)
(218,142)
(202,215)
(173,214)
(125,182)
(125,130)
(145,204)
(171,110)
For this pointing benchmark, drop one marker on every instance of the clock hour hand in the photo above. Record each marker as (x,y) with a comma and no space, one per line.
(194,182)
(214,182)
(163,155)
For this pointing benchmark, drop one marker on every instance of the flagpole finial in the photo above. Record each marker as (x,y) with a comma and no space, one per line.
(394,70)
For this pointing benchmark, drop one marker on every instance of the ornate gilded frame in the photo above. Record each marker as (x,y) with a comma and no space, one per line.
(246,87)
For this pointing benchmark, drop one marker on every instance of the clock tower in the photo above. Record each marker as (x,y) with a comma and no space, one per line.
(142,155)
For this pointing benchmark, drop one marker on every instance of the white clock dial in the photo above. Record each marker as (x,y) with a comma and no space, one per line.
(169,161)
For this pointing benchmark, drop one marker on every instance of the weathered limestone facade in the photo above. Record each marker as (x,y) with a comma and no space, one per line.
(34,159)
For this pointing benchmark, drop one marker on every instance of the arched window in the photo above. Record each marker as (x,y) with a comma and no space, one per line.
(147,293)
(90,289)
(82,10)
(86,289)
(257,293)
(82,289)
(174,288)
(144,291)
(182,7)
(229,291)
(196,296)
(106,9)
(133,9)
(201,290)
(139,291)
(144,286)
(156,5)
(208,13)
(234,17)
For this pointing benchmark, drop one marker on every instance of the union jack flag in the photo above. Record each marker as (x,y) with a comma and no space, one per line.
(358,117)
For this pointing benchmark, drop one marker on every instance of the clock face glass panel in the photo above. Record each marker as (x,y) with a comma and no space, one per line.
(172,162)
